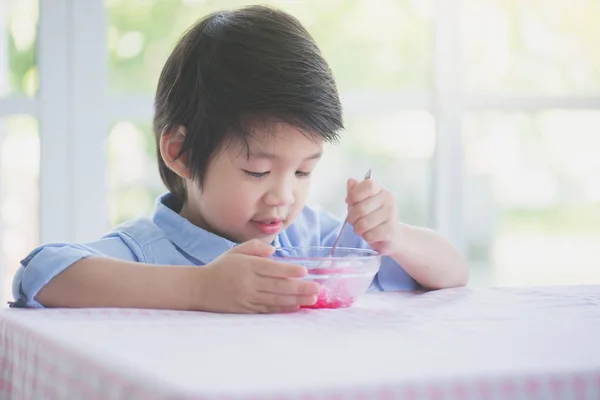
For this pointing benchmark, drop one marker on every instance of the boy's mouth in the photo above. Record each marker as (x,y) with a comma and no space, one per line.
(268,226)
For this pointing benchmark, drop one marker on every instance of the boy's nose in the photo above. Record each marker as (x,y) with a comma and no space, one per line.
(282,195)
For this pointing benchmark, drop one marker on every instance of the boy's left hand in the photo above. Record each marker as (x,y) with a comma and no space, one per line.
(373,214)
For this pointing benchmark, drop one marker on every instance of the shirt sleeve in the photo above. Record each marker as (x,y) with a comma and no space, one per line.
(45,262)
(391,275)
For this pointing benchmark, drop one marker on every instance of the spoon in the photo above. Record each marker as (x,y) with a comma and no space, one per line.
(367,176)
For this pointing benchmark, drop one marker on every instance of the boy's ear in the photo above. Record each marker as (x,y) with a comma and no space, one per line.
(170,145)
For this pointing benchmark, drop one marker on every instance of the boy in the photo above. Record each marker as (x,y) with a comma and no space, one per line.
(243,107)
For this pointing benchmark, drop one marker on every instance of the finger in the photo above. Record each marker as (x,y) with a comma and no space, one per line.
(370,221)
(254,248)
(283,310)
(276,309)
(288,286)
(274,269)
(363,190)
(279,300)
(365,207)
(381,233)
(350,185)
(267,309)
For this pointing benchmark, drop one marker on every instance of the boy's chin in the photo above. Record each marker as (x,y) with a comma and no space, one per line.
(264,239)
(267,239)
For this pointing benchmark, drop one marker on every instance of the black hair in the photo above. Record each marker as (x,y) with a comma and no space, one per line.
(233,69)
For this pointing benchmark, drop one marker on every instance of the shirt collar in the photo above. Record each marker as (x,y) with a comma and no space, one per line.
(195,241)
(198,243)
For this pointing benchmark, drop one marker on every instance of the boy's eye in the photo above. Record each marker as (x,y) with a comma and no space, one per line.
(302,174)
(255,174)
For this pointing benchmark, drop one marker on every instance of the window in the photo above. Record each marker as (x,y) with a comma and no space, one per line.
(531,48)
(19,139)
(133,179)
(393,38)
(18,67)
(484,119)
(533,196)
(532,207)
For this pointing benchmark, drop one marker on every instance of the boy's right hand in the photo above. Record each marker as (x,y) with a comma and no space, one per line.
(244,280)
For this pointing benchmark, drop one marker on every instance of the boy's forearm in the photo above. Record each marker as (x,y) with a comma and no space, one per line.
(107,282)
(430,259)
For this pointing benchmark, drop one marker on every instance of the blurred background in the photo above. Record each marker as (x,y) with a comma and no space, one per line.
(483,116)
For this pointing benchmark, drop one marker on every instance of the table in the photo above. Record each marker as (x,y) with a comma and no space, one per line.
(494,343)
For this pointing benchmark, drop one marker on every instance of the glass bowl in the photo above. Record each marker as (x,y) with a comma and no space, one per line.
(343,277)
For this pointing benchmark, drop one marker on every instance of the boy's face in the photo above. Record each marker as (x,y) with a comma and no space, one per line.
(256,194)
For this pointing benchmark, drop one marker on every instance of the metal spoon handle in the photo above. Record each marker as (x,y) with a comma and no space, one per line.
(367,176)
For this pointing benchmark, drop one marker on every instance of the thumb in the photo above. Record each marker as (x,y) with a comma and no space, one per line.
(349,186)
(253,247)
(351,183)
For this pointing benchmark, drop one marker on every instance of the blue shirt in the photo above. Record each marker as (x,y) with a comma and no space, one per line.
(169,239)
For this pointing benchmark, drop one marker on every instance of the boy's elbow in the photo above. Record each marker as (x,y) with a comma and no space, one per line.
(16,284)
(462,278)
(457,276)
(458,272)
(40,266)
(462,274)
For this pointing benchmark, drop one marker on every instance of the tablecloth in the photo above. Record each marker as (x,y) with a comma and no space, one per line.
(493,343)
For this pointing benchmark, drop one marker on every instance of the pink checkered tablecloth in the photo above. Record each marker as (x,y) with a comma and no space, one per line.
(455,344)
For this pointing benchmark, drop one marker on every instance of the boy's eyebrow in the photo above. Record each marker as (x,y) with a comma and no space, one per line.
(272,156)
